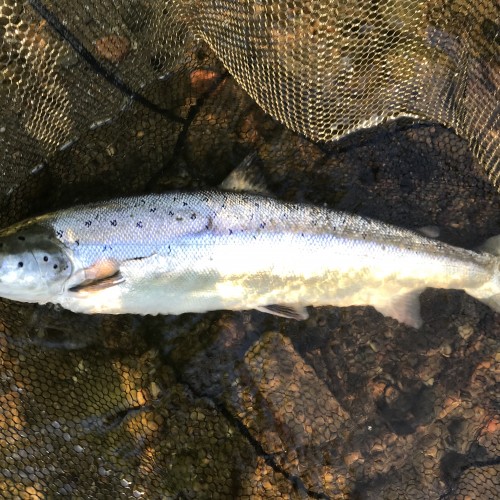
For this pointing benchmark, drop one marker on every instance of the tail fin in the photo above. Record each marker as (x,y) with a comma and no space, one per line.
(489,293)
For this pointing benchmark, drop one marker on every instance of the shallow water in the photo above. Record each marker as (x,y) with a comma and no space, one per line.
(347,404)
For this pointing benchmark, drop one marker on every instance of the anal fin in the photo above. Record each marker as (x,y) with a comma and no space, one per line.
(285,311)
(404,307)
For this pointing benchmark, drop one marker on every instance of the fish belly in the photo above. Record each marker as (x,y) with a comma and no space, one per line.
(237,272)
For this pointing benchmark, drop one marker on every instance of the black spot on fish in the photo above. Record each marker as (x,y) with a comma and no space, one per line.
(55,266)
(20,264)
(257,205)
(230,231)
(152,209)
(96,217)
(193,216)
(45,258)
(21,238)
(59,233)
(169,250)
(262,225)
(113,222)
(170,213)
(88,223)
(139,224)
(77,243)
(184,203)
(175,198)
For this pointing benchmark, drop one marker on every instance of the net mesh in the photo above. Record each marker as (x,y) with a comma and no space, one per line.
(387,109)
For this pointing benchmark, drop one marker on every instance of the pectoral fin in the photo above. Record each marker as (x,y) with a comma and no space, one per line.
(100,276)
(285,311)
(404,307)
(96,285)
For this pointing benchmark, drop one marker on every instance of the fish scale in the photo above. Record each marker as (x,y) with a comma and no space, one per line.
(195,252)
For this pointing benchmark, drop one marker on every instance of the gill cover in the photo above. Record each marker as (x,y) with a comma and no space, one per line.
(33,264)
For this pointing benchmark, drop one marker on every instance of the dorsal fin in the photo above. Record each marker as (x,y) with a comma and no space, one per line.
(491,245)
(430,231)
(246,177)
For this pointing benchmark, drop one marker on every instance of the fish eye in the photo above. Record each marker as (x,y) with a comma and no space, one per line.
(45,259)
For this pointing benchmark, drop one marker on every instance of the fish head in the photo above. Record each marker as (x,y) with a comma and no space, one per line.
(34,264)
